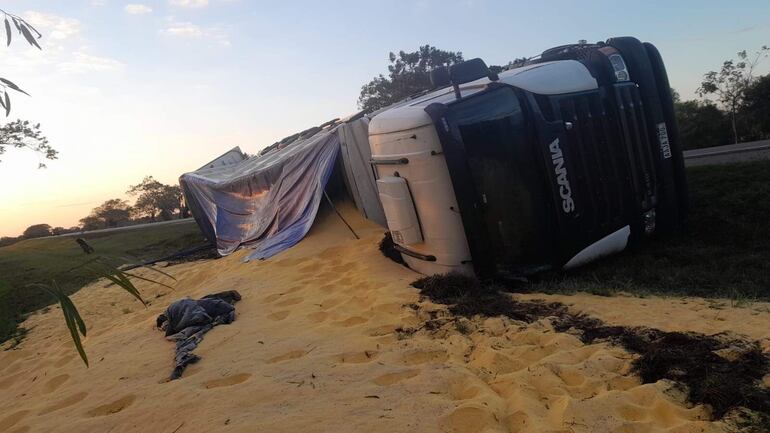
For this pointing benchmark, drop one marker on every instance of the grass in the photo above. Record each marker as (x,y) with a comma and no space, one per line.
(725,251)
(45,259)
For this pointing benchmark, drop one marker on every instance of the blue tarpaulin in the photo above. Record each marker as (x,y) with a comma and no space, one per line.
(268,202)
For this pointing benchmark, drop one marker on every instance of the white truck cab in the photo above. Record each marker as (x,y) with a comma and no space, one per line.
(547,166)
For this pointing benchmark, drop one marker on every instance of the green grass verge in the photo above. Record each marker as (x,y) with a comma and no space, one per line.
(45,259)
(725,251)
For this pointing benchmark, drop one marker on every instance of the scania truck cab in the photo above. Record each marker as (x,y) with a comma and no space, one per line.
(550,165)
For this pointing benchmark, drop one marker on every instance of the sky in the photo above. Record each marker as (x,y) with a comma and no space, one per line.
(129,89)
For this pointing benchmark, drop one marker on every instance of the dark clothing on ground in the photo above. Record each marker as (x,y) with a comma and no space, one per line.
(187,320)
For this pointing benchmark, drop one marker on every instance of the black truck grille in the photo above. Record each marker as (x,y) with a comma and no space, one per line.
(597,158)
(610,152)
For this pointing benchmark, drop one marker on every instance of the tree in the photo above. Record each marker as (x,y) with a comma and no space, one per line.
(56,231)
(756,107)
(91,222)
(155,199)
(6,241)
(408,74)
(109,214)
(730,83)
(515,63)
(113,212)
(701,124)
(20,134)
(37,231)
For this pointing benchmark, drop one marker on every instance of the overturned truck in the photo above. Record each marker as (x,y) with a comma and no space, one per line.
(549,165)
(568,158)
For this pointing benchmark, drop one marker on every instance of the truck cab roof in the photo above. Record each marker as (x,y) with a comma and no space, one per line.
(548,78)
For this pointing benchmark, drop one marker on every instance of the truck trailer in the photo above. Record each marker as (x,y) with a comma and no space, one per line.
(550,165)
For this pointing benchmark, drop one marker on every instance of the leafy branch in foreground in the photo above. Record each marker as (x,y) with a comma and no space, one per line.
(31,35)
(25,29)
(72,317)
(23,134)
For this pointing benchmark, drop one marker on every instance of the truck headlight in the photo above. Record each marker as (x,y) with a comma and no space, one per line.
(619,67)
(649,221)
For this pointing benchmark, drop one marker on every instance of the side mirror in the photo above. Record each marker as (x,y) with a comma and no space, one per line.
(468,71)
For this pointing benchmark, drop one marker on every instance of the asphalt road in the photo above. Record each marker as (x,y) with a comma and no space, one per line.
(740,152)
(129,228)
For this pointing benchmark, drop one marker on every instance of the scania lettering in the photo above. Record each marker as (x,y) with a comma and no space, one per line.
(561,176)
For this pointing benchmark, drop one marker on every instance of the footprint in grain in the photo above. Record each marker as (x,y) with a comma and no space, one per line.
(55,382)
(290,301)
(356,357)
(10,380)
(64,360)
(420,357)
(391,378)
(12,368)
(331,302)
(381,330)
(272,298)
(112,408)
(67,402)
(353,321)
(13,418)
(470,419)
(278,315)
(318,316)
(294,289)
(294,354)
(227,381)
(310,268)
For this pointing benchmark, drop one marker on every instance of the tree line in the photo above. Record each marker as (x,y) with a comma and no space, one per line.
(154,201)
(734,105)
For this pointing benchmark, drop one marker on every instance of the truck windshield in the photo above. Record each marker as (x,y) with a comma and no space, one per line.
(505,177)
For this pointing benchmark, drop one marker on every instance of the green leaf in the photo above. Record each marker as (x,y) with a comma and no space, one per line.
(126,286)
(152,268)
(7,31)
(28,36)
(75,336)
(139,277)
(74,312)
(122,279)
(13,86)
(71,317)
(29,26)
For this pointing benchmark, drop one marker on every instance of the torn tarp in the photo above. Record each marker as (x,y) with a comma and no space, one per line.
(186,320)
(267,202)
